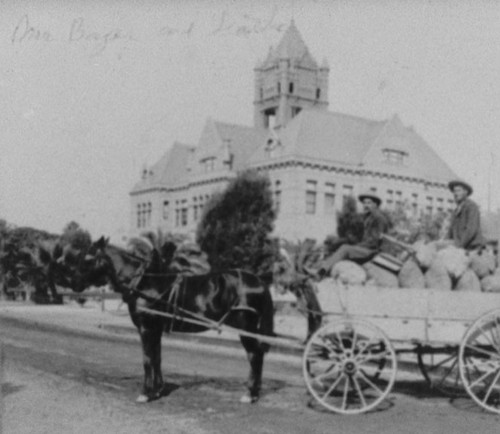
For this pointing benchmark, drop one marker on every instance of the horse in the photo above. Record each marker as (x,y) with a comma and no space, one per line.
(234,297)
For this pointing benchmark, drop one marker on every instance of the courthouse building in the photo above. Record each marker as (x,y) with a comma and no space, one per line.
(314,157)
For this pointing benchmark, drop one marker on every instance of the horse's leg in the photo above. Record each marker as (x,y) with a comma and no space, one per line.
(150,330)
(151,354)
(157,375)
(248,321)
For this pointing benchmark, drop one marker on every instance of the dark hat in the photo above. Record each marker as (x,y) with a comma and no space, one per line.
(453,184)
(371,196)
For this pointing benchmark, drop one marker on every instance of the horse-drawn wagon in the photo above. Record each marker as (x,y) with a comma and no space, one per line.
(350,363)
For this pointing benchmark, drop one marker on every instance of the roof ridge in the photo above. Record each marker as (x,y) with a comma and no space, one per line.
(356,117)
(230,124)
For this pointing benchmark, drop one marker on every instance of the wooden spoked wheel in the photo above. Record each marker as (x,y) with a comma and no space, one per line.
(349,366)
(441,371)
(479,361)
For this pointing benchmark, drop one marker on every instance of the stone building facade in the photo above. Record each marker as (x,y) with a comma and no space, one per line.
(313,157)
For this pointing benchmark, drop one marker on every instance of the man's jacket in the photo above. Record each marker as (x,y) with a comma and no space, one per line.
(375,224)
(465,226)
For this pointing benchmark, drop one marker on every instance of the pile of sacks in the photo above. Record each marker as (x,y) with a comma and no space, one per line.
(432,265)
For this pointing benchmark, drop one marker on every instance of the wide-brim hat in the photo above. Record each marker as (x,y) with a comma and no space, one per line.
(371,196)
(459,182)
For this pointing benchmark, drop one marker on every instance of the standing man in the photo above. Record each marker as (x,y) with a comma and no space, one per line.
(465,225)
(374,223)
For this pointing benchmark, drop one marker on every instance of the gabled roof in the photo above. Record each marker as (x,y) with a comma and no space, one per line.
(291,47)
(170,171)
(421,161)
(345,140)
(326,136)
(241,140)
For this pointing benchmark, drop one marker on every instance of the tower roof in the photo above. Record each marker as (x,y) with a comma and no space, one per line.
(291,47)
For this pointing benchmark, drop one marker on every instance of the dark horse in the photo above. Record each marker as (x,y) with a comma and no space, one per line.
(235,298)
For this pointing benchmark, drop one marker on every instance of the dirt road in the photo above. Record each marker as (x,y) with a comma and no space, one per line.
(60,383)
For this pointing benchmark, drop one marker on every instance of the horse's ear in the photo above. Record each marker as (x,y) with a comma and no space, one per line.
(101,243)
(167,251)
(58,251)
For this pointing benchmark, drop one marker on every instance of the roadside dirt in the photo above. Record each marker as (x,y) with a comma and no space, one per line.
(39,402)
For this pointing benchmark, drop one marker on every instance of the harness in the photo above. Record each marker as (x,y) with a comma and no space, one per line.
(177,290)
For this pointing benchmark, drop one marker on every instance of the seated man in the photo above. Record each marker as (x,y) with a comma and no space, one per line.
(465,225)
(375,224)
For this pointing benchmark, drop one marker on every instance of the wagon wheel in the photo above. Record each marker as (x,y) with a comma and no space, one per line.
(441,371)
(479,361)
(349,366)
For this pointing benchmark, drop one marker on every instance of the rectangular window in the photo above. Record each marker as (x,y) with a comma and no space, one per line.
(184,213)
(440,205)
(139,216)
(390,199)
(149,212)
(165,210)
(430,205)
(414,203)
(399,198)
(311,197)
(195,208)
(277,196)
(329,198)
(347,191)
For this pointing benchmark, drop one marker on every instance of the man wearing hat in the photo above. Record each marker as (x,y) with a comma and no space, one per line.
(374,223)
(465,225)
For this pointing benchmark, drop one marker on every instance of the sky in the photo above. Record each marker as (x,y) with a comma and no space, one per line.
(91,91)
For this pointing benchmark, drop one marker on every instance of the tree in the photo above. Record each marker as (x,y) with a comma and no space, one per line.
(235,229)
(349,227)
(409,226)
(75,236)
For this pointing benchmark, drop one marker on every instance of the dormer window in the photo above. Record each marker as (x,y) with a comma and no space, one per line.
(208,164)
(395,156)
(296,111)
(272,147)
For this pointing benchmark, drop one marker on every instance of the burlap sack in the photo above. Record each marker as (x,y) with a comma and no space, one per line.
(491,283)
(468,282)
(436,277)
(455,260)
(424,253)
(349,273)
(483,264)
(411,276)
(382,277)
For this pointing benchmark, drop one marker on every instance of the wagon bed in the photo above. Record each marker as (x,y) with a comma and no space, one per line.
(350,363)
